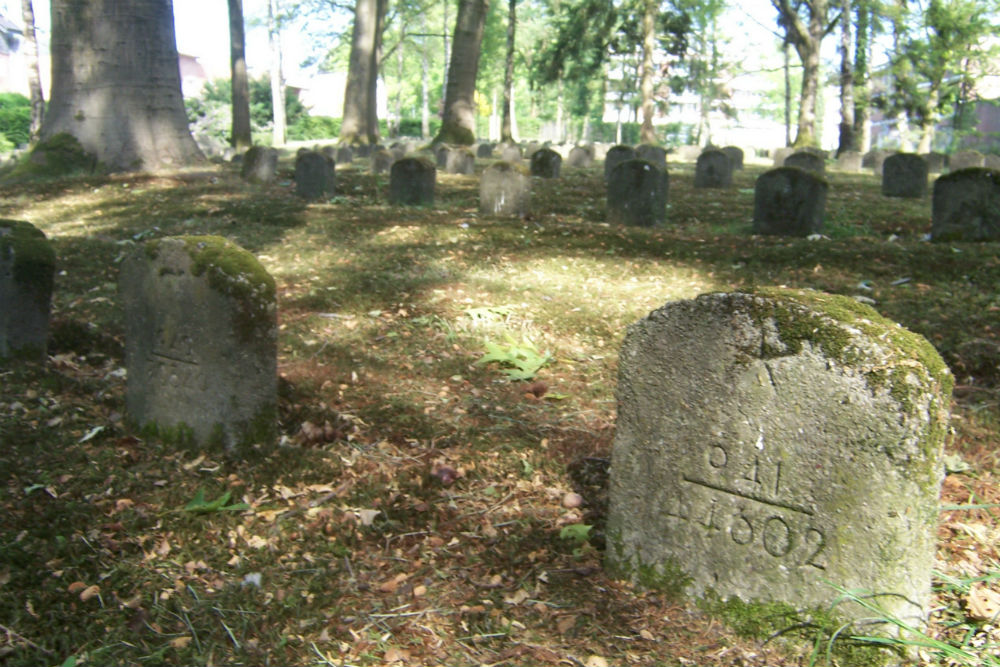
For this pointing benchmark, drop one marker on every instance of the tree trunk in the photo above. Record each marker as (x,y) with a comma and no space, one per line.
(241,138)
(277,77)
(647,133)
(459,123)
(862,79)
(846,140)
(425,85)
(929,123)
(788,93)
(116,83)
(371,126)
(506,131)
(445,27)
(354,123)
(806,38)
(34,75)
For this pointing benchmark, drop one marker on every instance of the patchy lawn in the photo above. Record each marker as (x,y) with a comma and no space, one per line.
(420,510)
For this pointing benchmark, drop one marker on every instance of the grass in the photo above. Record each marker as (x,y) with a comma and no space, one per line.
(414,514)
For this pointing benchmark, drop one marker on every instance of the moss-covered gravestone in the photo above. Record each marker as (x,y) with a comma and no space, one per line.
(966,206)
(200,343)
(315,175)
(806,160)
(580,156)
(656,155)
(904,175)
(735,155)
(412,181)
(546,163)
(27,268)
(771,445)
(260,165)
(504,190)
(713,169)
(615,156)
(789,201)
(637,194)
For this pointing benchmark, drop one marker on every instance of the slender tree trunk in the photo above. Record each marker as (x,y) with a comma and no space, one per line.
(447,54)
(425,87)
(862,79)
(506,133)
(277,77)
(788,92)
(34,74)
(372,129)
(846,140)
(560,110)
(514,133)
(807,38)
(121,97)
(394,124)
(929,124)
(647,133)
(354,122)
(241,138)
(459,123)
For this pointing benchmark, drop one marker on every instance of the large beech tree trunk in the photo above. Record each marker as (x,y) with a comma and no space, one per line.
(459,123)
(241,134)
(506,126)
(847,140)
(647,133)
(116,83)
(362,75)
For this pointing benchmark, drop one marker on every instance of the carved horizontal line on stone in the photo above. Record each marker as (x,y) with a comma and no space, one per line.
(749,496)
(177,359)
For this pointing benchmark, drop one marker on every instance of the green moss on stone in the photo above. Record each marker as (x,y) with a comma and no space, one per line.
(667,577)
(34,258)
(55,157)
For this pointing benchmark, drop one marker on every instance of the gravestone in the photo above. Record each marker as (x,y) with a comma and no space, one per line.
(965,159)
(714,169)
(735,155)
(991,161)
(874,159)
(399,150)
(532,148)
(965,206)
(904,175)
(314,175)
(780,154)
(789,201)
(260,165)
(637,194)
(411,181)
(510,153)
(362,151)
(656,155)
(615,156)
(769,445)
(807,160)
(546,163)
(455,160)
(27,271)
(580,157)
(200,343)
(484,151)
(381,161)
(850,161)
(936,162)
(344,155)
(504,190)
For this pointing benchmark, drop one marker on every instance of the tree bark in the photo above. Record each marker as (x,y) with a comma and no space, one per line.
(647,133)
(116,83)
(425,85)
(459,123)
(806,37)
(788,92)
(506,131)
(241,138)
(277,76)
(34,74)
(862,78)
(371,126)
(361,73)
(846,140)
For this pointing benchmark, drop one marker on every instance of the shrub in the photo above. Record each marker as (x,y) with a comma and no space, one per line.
(15,119)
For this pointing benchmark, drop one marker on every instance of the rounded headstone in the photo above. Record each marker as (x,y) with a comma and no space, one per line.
(546,163)
(200,342)
(344,155)
(27,273)
(455,160)
(966,206)
(991,161)
(936,162)
(789,201)
(615,156)
(637,194)
(769,444)
(510,153)
(873,160)
(904,175)
(807,160)
(411,181)
(713,170)
(484,151)
(654,154)
(580,157)
(966,159)
(381,161)
(314,175)
(780,154)
(260,165)
(850,161)
(735,155)
(504,190)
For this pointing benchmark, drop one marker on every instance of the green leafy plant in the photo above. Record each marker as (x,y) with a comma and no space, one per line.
(199,505)
(519,361)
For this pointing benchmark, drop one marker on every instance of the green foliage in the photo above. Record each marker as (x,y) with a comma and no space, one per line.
(411,127)
(210,111)
(58,156)
(576,532)
(15,120)
(199,505)
(519,361)
(314,127)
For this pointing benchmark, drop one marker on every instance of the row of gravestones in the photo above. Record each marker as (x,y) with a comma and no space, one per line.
(854,161)
(767,443)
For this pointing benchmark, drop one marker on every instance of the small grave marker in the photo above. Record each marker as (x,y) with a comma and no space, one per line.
(27,271)
(637,194)
(966,206)
(789,201)
(504,190)
(412,181)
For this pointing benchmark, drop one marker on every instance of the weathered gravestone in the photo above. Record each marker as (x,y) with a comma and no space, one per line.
(936,162)
(484,151)
(546,163)
(874,159)
(779,155)
(789,201)
(27,270)
(411,181)
(260,165)
(344,155)
(904,175)
(314,175)
(455,160)
(504,190)
(381,161)
(807,160)
(966,159)
(991,161)
(615,156)
(850,161)
(653,154)
(771,445)
(735,155)
(510,153)
(200,342)
(714,169)
(580,156)
(966,206)
(362,151)
(637,194)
